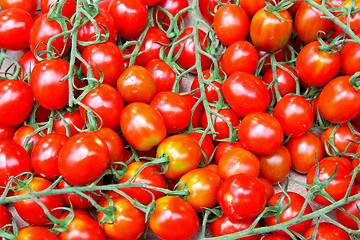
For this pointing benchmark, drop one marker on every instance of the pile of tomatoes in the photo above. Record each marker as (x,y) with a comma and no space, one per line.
(104,134)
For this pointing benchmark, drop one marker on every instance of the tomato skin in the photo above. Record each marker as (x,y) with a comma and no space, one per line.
(211,88)
(308,22)
(27,62)
(242,196)
(327,231)
(5,218)
(226,225)
(209,5)
(240,56)
(151,2)
(174,109)
(107,103)
(281,55)
(47,86)
(15,26)
(45,155)
(173,7)
(83,227)
(72,119)
(30,211)
(150,176)
(304,150)
(163,75)
(28,5)
(260,133)
(130,17)
(350,208)
(35,233)
(136,84)
(187,58)
(113,142)
(251,7)
(68,9)
(197,111)
(276,166)
(129,220)
(207,146)
(14,160)
(224,147)
(22,133)
(338,100)
(316,67)
(269,189)
(350,58)
(231,24)
(152,44)
(111,66)
(291,212)
(43,29)
(275,237)
(140,119)
(166,226)
(16,102)
(237,161)
(295,115)
(338,186)
(268,32)
(7,133)
(85,151)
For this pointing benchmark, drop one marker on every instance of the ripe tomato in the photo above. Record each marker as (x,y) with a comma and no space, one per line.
(316,67)
(174,109)
(27,62)
(304,151)
(203,186)
(242,196)
(68,9)
(22,133)
(44,29)
(170,213)
(82,226)
(142,126)
(163,75)
(72,119)
(240,56)
(15,26)
(350,208)
(15,94)
(151,2)
(275,237)
(212,87)
(85,151)
(251,7)
(7,133)
(224,147)
(260,133)
(47,86)
(45,155)
(354,20)
(338,100)
(111,66)
(206,144)
(136,84)
(236,161)
(268,31)
(173,7)
(309,22)
(153,42)
(281,55)
(130,17)
(269,189)
(231,24)
(276,166)
(113,142)
(207,9)
(326,230)
(187,57)
(295,115)
(184,154)
(350,58)
(296,202)
(30,211)
(129,221)
(35,233)
(197,110)
(149,176)
(28,5)
(338,186)
(5,218)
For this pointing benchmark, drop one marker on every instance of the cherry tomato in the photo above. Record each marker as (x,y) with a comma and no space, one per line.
(85,151)
(197,110)
(163,75)
(206,144)
(275,237)
(151,2)
(170,213)
(113,142)
(281,55)
(260,133)
(142,126)
(338,100)
(240,56)
(136,84)
(224,147)
(350,58)
(296,202)
(72,119)
(212,87)
(328,231)
(7,133)
(27,62)
(104,4)
(251,7)
(173,7)
(130,17)
(184,154)
(111,66)
(5,218)
(15,26)
(35,233)
(28,5)
(269,32)
(207,9)
(242,196)
(16,102)
(354,21)
(30,211)
(350,208)
(149,176)
(67,10)
(129,221)
(231,24)
(21,134)
(269,189)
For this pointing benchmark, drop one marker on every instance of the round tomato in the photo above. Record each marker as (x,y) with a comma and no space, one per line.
(350,58)
(35,233)
(251,7)
(21,134)
(114,144)
(269,189)
(173,7)
(163,75)
(7,133)
(281,55)
(5,218)
(28,5)
(207,9)
(27,63)
(197,109)
(350,208)
(170,213)
(275,237)
(206,144)
(68,9)
(326,231)
(213,88)
(224,147)
(70,120)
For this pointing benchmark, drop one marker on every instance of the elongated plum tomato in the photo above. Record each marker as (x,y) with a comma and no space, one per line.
(246,93)
(143,127)
(85,151)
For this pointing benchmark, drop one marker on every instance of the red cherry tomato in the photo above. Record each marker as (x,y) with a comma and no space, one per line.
(212,87)
(35,233)
(72,119)
(28,5)
(67,10)
(197,110)
(251,7)
(350,58)
(5,218)
(7,133)
(22,133)
(173,7)
(114,144)
(224,147)
(206,144)
(163,75)
(27,62)
(207,9)
(326,230)
(350,208)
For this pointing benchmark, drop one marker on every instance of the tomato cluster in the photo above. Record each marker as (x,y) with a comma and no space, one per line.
(126,115)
